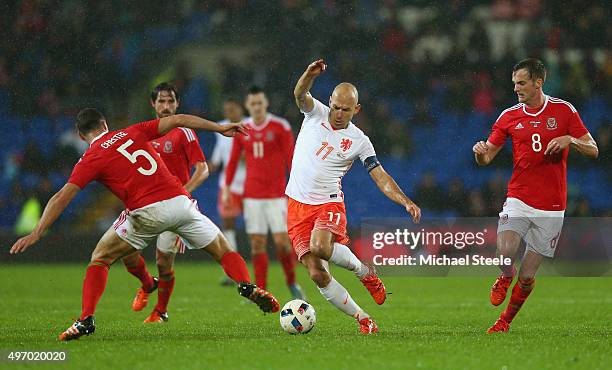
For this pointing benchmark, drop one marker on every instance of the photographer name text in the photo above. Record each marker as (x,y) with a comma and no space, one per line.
(434,260)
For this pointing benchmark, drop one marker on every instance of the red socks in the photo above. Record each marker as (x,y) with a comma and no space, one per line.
(93,287)
(288,263)
(165,286)
(234,266)
(520,292)
(260,265)
(140,271)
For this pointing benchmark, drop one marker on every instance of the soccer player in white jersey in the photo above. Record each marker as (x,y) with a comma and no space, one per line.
(326,147)
(229,211)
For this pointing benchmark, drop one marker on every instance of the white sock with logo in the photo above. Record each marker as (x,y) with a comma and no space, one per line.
(337,295)
(344,257)
(230,235)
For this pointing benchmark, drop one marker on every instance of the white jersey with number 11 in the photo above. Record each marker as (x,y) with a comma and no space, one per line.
(323,156)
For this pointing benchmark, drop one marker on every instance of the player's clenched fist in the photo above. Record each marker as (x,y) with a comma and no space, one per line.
(316,68)
(480,147)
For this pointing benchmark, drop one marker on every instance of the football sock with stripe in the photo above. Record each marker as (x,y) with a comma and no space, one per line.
(338,296)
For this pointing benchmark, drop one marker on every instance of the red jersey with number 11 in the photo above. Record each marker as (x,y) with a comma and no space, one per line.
(268,151)
(538,180)
(126,163)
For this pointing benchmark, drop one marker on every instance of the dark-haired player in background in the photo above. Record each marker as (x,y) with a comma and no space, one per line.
(542,129)
(180,150)
(268,151)
(155,200)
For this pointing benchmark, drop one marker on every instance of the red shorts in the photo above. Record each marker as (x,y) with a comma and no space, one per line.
(234,209)
(302,219)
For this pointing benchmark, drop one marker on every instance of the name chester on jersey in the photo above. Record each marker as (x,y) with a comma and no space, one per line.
(118,136)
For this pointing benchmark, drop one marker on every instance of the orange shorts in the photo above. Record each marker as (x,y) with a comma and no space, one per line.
(302,219)
(234,209)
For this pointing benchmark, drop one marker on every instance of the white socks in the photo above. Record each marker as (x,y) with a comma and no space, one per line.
(343,257)
(337,295)
(230,235)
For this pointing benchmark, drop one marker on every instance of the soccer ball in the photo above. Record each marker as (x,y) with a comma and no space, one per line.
(298,317)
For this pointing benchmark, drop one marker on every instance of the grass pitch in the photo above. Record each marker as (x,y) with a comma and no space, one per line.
(427,323)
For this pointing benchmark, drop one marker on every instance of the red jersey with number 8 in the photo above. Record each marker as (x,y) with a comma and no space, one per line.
(126,163)
(538,180)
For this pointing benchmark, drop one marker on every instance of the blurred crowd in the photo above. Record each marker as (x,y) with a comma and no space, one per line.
(418,66)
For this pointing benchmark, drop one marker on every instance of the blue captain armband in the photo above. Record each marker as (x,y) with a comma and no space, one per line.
(371,163)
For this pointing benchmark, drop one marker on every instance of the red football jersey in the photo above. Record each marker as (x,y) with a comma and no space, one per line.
(126,163)
(538,180)
(180,150)
(268,152)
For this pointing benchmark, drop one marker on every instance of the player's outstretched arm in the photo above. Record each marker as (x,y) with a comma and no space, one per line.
(389,187)
(194,122)
(485,152)
(585,145)
(53,210)
(303,99)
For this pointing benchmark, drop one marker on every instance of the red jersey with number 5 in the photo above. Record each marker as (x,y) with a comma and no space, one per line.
(126,163)
(268,151)
(538,180)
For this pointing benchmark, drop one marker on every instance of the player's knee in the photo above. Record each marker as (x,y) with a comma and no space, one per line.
(165,263)
(101,255)
(319,248)
(320,277)
(217,248)
(258,245)
(281,240)
(508,242)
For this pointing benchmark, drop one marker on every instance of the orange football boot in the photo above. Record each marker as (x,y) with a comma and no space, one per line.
(375,286)
(261,297)
(499,290)
(157,317)
(367,326)
(500,326)
(142,297)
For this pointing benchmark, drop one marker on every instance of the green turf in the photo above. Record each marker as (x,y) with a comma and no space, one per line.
(428,323)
